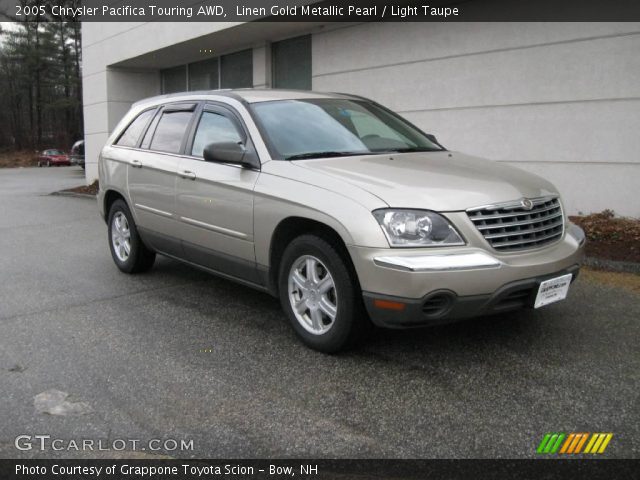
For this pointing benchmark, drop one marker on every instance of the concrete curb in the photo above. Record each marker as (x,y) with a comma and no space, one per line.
(62,193)
(612,265)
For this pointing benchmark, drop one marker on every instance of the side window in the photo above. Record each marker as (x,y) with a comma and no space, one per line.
(170,131)
(146,140)
(214,128)
(130,136)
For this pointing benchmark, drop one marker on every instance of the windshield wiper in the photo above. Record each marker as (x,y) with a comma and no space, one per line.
(302,156)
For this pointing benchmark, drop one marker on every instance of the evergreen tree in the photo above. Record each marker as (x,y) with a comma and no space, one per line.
(40,76)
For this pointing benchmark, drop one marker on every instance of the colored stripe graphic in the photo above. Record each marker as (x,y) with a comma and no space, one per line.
(567,442)
(556,446)
(594,437)
(605,442)
(572,443)
(598,443)
(550,443)
(581,442)
(543,443)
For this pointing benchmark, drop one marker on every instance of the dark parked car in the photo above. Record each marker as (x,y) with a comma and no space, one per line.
(77,153)
(53,157)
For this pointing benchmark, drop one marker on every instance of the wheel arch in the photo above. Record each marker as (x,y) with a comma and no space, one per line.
(110,196)
(294,226)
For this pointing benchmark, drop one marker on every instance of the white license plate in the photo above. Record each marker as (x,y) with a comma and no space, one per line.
(552,290)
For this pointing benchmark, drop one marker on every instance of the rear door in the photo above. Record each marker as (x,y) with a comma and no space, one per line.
(152,175)
(214,201)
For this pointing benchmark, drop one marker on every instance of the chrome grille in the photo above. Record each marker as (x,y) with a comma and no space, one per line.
(509,227)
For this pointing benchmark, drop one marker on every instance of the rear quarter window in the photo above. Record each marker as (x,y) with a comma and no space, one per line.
(131,135)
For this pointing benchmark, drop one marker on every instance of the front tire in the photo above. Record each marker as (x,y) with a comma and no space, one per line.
(320,294)
(128,251)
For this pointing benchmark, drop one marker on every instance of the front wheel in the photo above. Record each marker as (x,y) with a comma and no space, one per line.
(320,294)
(129,253)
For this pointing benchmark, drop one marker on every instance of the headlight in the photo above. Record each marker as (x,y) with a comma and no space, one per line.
(416,228)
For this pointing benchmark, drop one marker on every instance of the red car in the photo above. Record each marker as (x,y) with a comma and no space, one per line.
(53,157)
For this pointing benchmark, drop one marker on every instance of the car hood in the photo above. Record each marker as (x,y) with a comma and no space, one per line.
(442,181)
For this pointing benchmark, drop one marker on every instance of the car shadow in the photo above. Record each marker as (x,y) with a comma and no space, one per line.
(468,338)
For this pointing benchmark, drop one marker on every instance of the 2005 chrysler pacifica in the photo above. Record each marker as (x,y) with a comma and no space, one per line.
(343,209)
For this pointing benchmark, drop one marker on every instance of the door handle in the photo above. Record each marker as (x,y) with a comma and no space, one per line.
(187,174)
(136,163)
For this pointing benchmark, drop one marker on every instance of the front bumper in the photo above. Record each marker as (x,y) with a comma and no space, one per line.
(404,288)
(444,306)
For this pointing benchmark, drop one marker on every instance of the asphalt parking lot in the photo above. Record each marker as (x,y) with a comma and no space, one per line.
(178,354)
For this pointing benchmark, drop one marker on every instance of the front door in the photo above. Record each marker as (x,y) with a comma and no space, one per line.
(214,201)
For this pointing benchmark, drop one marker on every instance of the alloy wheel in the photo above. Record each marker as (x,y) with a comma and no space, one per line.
(312,294)
(121,236)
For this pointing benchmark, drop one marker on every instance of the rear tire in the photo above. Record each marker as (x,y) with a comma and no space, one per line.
(321,296)
(128,251)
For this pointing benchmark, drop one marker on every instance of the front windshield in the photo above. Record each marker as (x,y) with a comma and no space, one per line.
(330,127)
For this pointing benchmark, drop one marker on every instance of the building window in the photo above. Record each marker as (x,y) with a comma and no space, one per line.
(228,71)
(291,65)
(236,70)
(174,79)
(204,75)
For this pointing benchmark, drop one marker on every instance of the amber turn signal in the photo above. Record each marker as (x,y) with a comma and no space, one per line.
(388,305)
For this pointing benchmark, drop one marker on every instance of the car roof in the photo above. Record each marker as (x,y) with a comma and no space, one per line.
(245,95)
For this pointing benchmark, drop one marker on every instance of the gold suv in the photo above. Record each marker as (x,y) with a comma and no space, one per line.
(341,208)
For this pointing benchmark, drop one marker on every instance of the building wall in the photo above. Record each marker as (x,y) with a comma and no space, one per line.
(108,88)
(558,99)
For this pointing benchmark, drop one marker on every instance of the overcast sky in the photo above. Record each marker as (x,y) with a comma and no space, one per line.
(8,26)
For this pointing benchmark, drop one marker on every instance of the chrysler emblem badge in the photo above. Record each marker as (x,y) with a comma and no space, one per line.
(526,204)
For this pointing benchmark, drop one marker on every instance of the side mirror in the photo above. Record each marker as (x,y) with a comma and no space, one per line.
(432,138)
(225,152)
